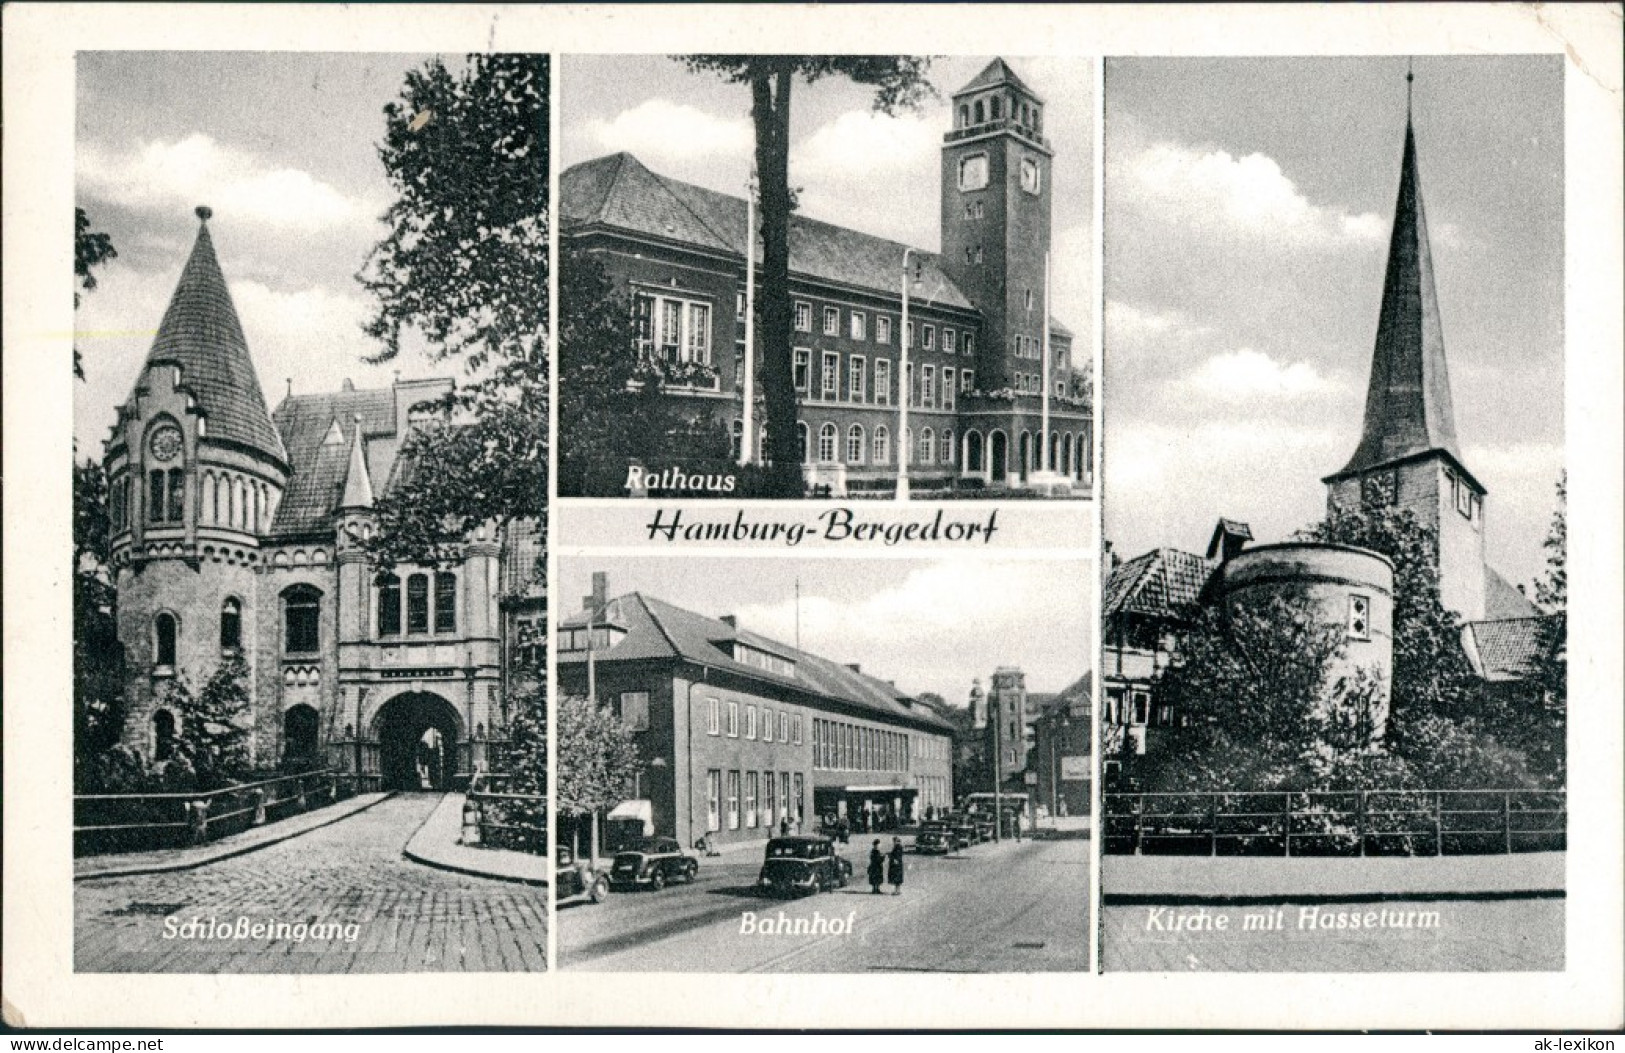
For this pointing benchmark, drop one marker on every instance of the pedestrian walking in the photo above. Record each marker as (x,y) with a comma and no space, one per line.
(894,866)
(784,827)
(877,867)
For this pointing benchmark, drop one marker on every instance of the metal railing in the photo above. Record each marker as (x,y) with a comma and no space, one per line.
(1336,823)
(117,822)
(495,818)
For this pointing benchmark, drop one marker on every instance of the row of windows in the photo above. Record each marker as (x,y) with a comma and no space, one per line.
(1033,384)
(672,329)
(1137,711)
(857,328)
(225,500)
(301,620)
(879,449)
(933,792)
(927,747)
(768,799)
(780,724)
(922,386)
(747,655)
(839,746)
(417,606)
(1031,115)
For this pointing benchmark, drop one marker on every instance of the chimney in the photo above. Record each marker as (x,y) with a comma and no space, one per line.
(731,620)
(855,667)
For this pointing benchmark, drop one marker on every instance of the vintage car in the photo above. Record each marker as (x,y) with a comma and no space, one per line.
(934,838)
(795,866)
(963,828)
(573,880)
(984,826)
(652,861)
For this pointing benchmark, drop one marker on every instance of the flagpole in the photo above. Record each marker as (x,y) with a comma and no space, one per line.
(1043,421)
(747,437)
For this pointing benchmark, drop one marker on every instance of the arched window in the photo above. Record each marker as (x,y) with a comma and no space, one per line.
(300,727)
(301,620)
(928,446)
(177,495)
(854,444)
(165,631)
(826,443)
(947,446)
(994,108)
(163,735)
(417,603)
(973,451)
(231,624)
(157,507)
(803,437)
(389,605)
(979,111)
(445,602)
(882,445)
(241,521)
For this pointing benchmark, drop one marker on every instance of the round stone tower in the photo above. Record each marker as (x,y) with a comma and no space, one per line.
(195,471)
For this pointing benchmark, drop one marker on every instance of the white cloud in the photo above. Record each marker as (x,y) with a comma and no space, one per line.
(658,130)
(1216,191)
(1128,324)
(866,145)
(1249,374)
(166,177)
(946,622)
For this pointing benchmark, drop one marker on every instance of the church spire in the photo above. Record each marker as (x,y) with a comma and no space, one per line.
(357,481)
(1408,409)
(202,335)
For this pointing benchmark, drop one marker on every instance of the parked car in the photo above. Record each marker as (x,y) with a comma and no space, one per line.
(802,865)
(577,880)
(964,830)
(652,861)
(934,838)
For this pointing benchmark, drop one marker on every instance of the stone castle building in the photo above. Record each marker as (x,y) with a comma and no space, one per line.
(238,533)
(982,402)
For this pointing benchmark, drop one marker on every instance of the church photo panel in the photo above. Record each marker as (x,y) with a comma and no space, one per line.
(1333,672)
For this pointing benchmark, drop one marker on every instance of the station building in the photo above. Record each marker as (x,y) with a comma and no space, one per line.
(738,733)
(977,330)
(238,533)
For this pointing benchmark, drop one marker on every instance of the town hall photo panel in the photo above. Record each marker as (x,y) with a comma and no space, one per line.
(1333,677)
(826,276)
(830,765)
(308,602)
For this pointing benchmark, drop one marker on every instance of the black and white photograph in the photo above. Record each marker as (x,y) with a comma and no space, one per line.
(1334,681)
(847,276)
(309,478)
(823,766)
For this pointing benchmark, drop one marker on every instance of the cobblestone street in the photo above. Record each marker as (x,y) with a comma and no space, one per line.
(351,875)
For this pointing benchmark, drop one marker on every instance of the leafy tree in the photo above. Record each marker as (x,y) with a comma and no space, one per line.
(98,656)
(611,409)
(899,82)
(596,757)
(215,726)
(464,269)
(91,249)
(1552,591)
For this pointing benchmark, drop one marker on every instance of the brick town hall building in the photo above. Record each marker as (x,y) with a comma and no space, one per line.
(238,533)
(979,403)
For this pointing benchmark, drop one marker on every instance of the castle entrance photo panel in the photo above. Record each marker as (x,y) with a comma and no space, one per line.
(1334,707)
(826,276)
(824,765)
(308,603)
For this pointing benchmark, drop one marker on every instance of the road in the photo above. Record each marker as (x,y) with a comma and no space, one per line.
(388,914)
(1499,935)
(1007,907)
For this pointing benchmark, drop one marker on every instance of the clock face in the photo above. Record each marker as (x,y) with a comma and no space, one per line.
(165,443)
(1030,175)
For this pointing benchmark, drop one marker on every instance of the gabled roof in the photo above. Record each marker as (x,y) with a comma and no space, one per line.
(1164,582)
(1503,600)
(1511,649)
(1408,409)
(656,629)
(993,74)
(620,192)
(316,483)
(201,334)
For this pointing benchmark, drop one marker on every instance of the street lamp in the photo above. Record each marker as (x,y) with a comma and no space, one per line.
(904,387)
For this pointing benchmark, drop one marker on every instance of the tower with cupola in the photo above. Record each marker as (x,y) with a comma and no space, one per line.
(195,473)
(1408,456)
(996,201)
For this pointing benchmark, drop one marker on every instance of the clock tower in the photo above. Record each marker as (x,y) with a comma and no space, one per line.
(996,218)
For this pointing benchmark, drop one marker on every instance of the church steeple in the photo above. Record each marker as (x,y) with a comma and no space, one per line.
(202,335)
(1408,409)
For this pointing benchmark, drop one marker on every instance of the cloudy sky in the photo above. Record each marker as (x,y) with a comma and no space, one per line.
(868,171)
(1248,205)
(282,147)
(928,625)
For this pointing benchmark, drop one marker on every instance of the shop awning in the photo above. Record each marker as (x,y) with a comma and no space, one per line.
(640,809)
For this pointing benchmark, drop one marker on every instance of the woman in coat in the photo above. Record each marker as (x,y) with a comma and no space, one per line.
(894,866)
(877,867)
